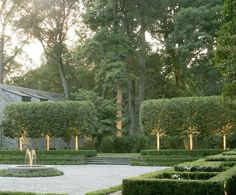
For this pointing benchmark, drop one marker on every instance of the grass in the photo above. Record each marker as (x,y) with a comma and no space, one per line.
(51,173)
(106,191)
(121,155)
(27,193)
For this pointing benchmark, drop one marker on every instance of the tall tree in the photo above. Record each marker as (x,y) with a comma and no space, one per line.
(226,47)
(49,22)
(9,34)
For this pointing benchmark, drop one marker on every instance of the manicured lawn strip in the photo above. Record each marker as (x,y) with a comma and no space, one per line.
(47,173)
(121,155)
(106,191)
(27,193)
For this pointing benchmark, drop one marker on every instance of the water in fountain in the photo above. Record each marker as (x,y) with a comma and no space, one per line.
(30,157)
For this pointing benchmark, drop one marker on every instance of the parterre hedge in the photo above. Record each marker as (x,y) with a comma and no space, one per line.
(217,179)
(182,152)
(171,157)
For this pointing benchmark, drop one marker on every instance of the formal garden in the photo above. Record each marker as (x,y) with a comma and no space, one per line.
(200,166)
(112,97)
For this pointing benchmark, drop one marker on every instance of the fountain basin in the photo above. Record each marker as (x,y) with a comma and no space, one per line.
(28,168)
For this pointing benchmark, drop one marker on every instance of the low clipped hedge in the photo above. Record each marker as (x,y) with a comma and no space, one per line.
(221,158)
(87,153)
(196,178)
(183,152)
(60,157)
(160,160)
(171,157)
(41,173)
(200,166)
(170,187)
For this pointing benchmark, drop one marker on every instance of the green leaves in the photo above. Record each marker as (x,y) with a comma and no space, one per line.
(226,41)
(59,119)
(179,116)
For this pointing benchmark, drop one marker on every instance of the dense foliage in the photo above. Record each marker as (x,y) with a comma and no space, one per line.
(192,115)
(225,53)
(59,119)
(186,178)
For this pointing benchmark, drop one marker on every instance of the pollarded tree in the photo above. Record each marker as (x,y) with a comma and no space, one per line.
(154,118)
(50,119)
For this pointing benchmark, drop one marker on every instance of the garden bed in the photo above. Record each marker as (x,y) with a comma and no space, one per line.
(196,178)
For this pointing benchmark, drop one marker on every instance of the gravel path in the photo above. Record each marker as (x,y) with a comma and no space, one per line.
(77,179)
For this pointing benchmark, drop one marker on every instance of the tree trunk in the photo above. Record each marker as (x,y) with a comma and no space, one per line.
(191,141)
(47,142)
(224,141)
(63,79)
(76,145)
(119,97)
(142,63)
(132,107)
(158,140)
(20,143)
(1,59)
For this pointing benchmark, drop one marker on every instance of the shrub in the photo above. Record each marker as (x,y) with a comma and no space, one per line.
(221,158)
(184,152)
(169,187)
(200,166)
(106,144)
(132,143)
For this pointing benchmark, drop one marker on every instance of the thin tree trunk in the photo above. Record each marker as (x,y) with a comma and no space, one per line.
(76,145)
(158,140)
(191,141)
(63,79)
(142,63)
(1,55)
(119,102)
(20,143)
(224,141)
(132,107)
(47,142)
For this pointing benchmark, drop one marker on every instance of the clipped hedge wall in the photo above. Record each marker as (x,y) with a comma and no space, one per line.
(59,119)
(190,115)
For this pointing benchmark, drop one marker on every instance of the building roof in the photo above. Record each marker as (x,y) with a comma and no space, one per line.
(26,92)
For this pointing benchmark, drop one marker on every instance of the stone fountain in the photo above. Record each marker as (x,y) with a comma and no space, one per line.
(30,157)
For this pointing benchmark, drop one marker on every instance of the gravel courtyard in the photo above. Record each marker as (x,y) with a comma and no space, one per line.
(77,179)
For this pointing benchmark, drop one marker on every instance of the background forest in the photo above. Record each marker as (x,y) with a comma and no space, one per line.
(118,53)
